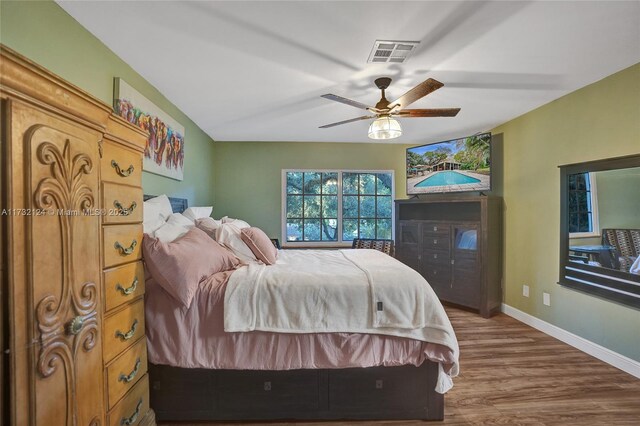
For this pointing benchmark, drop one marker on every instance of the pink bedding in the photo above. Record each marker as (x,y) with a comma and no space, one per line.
(195,338)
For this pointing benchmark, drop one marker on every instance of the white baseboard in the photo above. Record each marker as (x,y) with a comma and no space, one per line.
(607,355)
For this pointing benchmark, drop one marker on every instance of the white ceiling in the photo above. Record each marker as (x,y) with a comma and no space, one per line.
(254,71)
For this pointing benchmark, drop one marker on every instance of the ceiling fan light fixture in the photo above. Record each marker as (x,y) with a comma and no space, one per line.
(385,127)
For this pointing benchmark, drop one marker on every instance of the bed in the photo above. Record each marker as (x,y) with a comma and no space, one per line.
(198,371)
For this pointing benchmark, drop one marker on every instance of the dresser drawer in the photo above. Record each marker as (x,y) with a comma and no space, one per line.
(121,165)
(435,230)
(436,241)
(133,407)
(123,329)
(122,203)
(434,257)
(126,370)
(122,243)
(123,284)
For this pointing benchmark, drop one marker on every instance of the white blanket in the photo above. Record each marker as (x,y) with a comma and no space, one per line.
(324,291)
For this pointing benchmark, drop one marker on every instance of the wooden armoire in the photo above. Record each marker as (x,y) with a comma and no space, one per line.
(74,349)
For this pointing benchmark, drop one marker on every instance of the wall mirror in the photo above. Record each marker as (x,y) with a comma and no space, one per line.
(600,228)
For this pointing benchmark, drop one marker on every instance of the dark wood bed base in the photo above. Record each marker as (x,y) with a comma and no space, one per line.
(376,393)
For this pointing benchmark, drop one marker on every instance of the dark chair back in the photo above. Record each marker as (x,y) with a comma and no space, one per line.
(385,246)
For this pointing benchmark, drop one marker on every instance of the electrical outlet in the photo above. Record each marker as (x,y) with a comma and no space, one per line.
(525,290)
(546,299)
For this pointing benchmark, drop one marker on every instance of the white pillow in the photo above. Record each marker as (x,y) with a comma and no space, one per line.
(237,222)
(180,220)
(170,232)
(155,212)
(195,213)
(228,235)
(635,268)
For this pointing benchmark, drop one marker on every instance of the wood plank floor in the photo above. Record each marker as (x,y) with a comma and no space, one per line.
(512,374)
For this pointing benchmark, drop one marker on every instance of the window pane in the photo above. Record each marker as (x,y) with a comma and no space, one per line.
(329,206)
(349,206)
(312,230)
(384,228)
(350,183)
(294,183)
(584,222)
(368,206)
(367,228)
(367,184)
(312,183)
(329,229)
(384,183)
(572,182)
(329,183)
(294,229)
(573,201)
(384,207)
(294,205)
(349,229)
(581,183)
(312,206)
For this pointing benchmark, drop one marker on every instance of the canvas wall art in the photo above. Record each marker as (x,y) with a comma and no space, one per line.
(164,150)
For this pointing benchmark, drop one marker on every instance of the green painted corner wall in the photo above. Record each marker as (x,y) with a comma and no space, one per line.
(599,121)
(248,174)
(43,32)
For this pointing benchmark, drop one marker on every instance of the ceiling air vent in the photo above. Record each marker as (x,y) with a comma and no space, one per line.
(392,51)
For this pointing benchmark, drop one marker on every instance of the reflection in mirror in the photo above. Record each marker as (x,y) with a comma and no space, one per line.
(600,228)
(604,219)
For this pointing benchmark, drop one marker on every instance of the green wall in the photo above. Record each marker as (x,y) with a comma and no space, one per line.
(249,174)
(598,121)
(43,32)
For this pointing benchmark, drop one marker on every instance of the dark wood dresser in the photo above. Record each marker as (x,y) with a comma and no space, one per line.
(455,242)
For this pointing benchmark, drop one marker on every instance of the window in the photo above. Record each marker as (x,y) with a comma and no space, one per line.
(334,207)
(583,207)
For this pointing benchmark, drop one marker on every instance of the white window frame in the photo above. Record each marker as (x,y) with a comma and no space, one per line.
(595,221)
(339,242)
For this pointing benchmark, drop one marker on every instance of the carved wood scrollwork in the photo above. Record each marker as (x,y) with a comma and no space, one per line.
(67,322)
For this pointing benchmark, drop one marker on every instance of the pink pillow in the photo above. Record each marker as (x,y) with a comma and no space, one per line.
(260,244)
(179,266)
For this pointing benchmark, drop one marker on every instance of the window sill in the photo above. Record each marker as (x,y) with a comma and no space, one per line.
(585,235)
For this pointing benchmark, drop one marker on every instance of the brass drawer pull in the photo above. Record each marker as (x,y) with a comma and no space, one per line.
(128,421)
(129,378)
(123,173)
(75,325)
(125,251)
(122,209)
(129,334)
(127,291)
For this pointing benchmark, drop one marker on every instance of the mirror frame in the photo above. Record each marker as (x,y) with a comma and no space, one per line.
(607,283)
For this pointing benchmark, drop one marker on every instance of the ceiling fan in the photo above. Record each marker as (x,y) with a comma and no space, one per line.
(385,126)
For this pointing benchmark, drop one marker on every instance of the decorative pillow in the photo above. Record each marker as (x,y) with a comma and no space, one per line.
(175,227)
(155,212)
(635,268)
(195,213)
(208,225)
(180,266)
(237,222)
(229,236)
(260,244)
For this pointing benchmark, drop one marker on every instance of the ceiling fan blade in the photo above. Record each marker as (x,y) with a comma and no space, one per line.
(435,112)
(364,117)
(421,90)
(346,101)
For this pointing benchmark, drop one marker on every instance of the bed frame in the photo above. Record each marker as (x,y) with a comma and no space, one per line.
(375,393)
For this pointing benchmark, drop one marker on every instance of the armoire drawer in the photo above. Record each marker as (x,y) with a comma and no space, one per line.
(133,406)
(123,284)
(440,242)
(434,257)
(259,390)
(430,230)
(122,203)
(125,371)
(122,244)
(123,329)
(121,165)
